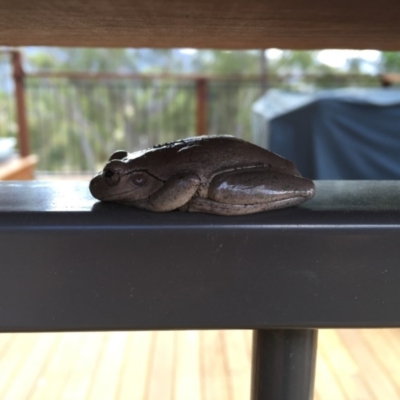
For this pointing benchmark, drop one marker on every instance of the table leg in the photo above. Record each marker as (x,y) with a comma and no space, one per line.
(283,364)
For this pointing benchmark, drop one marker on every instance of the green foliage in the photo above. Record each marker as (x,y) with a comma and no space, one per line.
(43,61)
(101,60)
(75,124)
(222,62)
(304,61)
(391,61)
(88,121)
(8,126)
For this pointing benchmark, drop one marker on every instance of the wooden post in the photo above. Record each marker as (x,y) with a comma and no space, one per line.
(201,107)
(18,75)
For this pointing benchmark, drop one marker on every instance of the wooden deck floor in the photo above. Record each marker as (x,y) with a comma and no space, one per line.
(207,365)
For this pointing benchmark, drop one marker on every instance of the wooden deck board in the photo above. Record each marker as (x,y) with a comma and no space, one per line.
(51,380)
(213,366)
(199,365)
(341,364)
(11,364)
(237,364)
(160,378)
(136,366)
(187,383)
(81,367)
(108,368)
(374,376)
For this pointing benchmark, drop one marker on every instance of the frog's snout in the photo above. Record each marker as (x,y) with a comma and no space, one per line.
(95,188)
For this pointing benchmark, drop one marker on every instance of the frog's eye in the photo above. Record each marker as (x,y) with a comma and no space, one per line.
(111,177)
(139,178)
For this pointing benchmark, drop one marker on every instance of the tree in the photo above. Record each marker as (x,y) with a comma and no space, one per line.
(390,61)
(102,60)
(89,118)
(221,62)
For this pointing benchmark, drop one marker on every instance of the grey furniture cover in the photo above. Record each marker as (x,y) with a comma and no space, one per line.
(351,133)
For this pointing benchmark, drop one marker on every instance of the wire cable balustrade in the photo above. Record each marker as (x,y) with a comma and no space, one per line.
(75,120)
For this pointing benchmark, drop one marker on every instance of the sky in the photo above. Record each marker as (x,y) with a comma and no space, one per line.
(340,58)
(332,57)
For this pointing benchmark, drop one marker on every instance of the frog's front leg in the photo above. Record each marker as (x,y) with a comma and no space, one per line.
(175,193)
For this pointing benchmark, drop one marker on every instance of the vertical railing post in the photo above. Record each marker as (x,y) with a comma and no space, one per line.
(283,364)
(263,72)
(18,75)
(201,107)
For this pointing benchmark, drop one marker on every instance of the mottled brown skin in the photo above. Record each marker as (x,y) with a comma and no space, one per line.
(214,174)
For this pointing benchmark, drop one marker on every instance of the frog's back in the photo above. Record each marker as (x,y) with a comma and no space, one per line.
(208,153)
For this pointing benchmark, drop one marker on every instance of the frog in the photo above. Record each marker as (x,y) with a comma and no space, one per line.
(219,174)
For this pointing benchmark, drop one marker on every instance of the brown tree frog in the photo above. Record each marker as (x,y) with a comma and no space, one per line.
(212,174)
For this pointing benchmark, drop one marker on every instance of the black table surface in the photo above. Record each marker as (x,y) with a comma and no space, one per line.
(71,263)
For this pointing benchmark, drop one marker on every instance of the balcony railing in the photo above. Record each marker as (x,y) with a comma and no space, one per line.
(73,121)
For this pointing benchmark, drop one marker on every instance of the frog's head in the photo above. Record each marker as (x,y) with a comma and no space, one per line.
(121,182)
